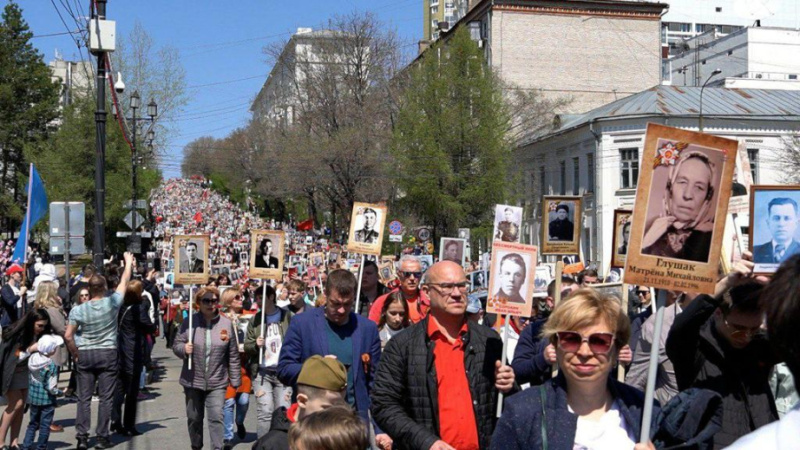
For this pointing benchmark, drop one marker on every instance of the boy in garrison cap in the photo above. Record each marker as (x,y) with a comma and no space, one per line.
(320,385)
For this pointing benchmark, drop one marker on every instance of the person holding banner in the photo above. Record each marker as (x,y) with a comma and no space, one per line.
(459,413)
(718,343)
(270,393)
(582,407)
(215,364)
(12,294)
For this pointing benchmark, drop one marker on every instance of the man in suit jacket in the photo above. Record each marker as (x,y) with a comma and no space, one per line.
(192,264)
(782,224)
(335,330)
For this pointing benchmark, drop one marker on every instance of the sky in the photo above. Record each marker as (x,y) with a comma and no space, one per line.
(220,43)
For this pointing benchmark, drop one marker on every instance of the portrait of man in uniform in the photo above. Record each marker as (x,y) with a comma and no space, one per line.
(508,229)
(774,226)
(367,234)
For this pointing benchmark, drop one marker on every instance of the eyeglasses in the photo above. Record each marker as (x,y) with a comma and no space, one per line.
(416,275)
(209,301)
(447,288)
(599,343)
(738,331)
(642,292)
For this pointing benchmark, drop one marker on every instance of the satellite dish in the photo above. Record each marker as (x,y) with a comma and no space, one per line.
(755,9)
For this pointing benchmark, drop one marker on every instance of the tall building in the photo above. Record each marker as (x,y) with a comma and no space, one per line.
(76,78)
(441,15)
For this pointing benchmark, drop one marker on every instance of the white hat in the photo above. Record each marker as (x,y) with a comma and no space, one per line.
(49,343)
(47,273)
(38,361)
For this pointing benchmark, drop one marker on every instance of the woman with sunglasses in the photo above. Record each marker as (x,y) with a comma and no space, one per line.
(215,365)
(582,407)
(236,399)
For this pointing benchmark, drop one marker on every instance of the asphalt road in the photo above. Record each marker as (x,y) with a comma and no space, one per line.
(161,418)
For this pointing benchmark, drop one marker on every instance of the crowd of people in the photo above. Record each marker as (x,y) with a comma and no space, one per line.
(415,362)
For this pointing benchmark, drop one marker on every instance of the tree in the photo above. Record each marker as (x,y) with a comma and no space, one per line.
(28,106)
(451,137)
(61,161)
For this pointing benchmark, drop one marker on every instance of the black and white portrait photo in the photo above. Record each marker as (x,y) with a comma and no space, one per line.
(621,237)
(366,229)
(266,254)
(464,233)
(191,259)
(561,227)
(511,280)
(507,223)
(510,274)
(774,229)
(681,212)
(452,249)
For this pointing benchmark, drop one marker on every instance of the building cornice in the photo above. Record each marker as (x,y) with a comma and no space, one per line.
(651,11)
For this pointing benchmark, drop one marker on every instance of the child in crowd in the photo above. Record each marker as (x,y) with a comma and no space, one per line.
(394,317)
(42,391)
(335,428)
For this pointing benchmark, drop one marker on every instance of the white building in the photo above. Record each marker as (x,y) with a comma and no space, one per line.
(76,78)
(754,57)
(689,18)
(596,155)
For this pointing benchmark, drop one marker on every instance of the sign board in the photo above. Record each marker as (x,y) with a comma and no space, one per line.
(395,228)
(140,204)
(58,218)
(77,245)
(143,234)
(130,217)
(395,238)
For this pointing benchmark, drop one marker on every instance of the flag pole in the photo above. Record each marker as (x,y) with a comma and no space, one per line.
(28,217)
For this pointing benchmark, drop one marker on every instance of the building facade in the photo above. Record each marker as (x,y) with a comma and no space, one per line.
(596,155)
(76,78)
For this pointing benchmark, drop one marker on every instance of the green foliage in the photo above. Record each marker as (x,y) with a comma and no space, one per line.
(66,164)
(450,138)
(28,105)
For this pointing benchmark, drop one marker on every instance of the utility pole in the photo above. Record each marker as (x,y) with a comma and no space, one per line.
(98,245)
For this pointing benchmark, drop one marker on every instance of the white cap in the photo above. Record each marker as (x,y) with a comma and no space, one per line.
(49,343)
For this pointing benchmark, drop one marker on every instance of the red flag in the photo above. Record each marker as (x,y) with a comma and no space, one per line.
(305,225)
(198,217)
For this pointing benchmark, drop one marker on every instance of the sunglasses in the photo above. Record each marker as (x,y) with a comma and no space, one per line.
(209,301)
(642,292)
(599,343)
(416,275)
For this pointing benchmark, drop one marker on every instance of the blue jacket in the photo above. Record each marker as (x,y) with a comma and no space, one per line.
(521,423)
(529,364)
(307,336)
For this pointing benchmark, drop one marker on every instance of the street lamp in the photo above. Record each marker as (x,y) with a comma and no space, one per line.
(152,112)
(700,118)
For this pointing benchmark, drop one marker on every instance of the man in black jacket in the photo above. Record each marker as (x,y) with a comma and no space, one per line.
(717,343)
(437,383)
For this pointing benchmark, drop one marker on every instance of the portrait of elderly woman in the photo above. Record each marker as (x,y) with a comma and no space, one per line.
(681,227)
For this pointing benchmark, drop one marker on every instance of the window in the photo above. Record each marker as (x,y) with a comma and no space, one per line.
(434,2)
(576,176)
(542,185)
(590,172)
(629,165)
(752,155)
(563,189)
(680,27)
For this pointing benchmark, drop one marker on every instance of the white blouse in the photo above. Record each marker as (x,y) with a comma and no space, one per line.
(609,433)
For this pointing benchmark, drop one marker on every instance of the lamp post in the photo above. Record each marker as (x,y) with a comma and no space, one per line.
(152,112)
(700,118)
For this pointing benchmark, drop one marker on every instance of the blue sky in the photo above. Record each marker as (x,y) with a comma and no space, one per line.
(220,42)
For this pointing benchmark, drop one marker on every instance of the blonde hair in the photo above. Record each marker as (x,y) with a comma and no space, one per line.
(46,295)
(203,291)
(228,296)
(335,428)
(585,308)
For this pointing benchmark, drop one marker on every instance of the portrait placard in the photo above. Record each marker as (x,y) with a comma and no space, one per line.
(478,280)
(316,259)
(425,261)
(464,233)
(621,237)
(561,235)
(386,272)
(774,234)
(507,223)
(511,283)
(191,259)
(266,254)
(682,199)
(366,229)
(453,249)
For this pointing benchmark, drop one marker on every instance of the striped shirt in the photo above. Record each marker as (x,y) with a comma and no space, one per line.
(96,322)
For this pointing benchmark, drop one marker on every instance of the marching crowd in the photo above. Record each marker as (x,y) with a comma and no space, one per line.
(415,364)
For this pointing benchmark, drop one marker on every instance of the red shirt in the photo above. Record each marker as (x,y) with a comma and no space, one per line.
(457,424)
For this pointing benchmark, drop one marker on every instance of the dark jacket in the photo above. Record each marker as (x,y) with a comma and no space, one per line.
(8,362)
(278,436)
(155,298)
(764,253)
(529,363)
(8,306)
(405,397)
(520,426)
(133,323)
(307,336)
(703,359)
(690,420)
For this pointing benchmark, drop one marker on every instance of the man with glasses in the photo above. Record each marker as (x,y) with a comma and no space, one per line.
(409,274)
(718,343)
(435,388)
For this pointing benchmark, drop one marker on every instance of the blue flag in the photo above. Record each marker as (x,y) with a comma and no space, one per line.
(37,208)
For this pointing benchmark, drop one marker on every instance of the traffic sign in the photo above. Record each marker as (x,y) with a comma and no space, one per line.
(140,204)
(395,238)
(423,234)
(395,227)
(130,217)
(77,245)
(58,218)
